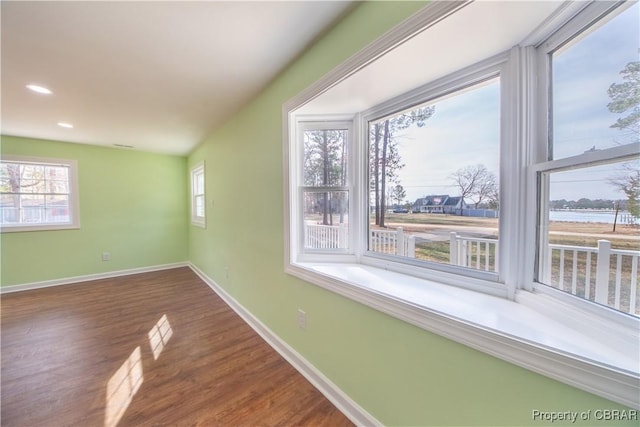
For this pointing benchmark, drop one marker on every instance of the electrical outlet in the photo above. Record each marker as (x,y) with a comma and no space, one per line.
(106,256)
(302,319)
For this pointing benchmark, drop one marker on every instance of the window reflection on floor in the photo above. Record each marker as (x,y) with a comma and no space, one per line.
(122,386)
(159,335)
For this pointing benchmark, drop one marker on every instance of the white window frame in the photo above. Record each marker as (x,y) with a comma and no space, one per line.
(196,171)
(512,318)
(450,85)
(302,124)
(542,164)
(74,198)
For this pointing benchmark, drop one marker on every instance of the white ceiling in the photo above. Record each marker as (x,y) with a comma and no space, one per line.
(158,76)
(478,31)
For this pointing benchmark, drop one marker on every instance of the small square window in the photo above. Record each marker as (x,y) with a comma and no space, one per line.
(38,194)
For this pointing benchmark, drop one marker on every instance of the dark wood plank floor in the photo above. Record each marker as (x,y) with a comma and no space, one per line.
(149,349)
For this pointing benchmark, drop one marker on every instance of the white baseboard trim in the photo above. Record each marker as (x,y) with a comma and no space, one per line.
(89,277)
(337,397)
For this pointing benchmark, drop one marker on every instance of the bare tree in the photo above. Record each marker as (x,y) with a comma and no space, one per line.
(476,183)
(486,190)
(628,182)
(398,193)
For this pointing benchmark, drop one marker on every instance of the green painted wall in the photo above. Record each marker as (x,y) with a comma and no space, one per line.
(401,374)
(132,204)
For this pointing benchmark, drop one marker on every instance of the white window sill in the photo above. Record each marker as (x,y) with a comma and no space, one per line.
(199,223)
(38,227)
(600,362)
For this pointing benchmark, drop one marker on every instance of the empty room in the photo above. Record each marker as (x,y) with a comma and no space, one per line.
(320,213)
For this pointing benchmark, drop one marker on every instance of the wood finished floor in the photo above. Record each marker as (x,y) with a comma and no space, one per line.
(156,348)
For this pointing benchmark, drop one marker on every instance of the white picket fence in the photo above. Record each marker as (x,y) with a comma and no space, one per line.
(317,236)
(394,242)
(475,252)
(577,262)
(574,269)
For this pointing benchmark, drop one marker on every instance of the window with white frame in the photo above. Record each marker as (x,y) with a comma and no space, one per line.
(198,206)
(588,178)
(38,194)
(434,179)
(324,189)
(515,175)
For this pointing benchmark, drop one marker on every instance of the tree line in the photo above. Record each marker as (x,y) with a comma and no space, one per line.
(585,203)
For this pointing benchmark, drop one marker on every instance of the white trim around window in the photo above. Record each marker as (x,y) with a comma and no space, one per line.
(43,192)
(198,196)
(582,344)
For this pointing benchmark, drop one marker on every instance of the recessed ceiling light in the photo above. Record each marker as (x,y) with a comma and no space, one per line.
(39,89)
(65,125)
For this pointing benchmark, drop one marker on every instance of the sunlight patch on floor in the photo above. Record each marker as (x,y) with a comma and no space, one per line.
(122,386)
(159,335)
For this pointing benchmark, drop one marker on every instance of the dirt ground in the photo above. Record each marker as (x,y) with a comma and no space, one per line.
(595,228)
(437,226)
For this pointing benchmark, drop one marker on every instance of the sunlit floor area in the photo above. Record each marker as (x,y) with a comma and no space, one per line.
(157,348)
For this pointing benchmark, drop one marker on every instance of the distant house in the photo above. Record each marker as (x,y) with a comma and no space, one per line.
(439,204)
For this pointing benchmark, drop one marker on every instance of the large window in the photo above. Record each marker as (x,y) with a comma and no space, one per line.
(38,194)
(434,180)
(590,186)
(198,205)
(496,203)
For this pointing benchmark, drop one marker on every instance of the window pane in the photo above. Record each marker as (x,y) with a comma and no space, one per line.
(57,173)
(28,171)
(5,185)
(325,157)
(590,238)
(32,208)
(57,209)
(10,177)
(57,187)
(32,185)
(199,183)
(199,200)
(9,204)
(596,78)
(326,220)
(434,180)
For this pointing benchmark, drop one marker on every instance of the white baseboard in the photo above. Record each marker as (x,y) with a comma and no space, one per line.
(340,400)
(337,397)
(88,277)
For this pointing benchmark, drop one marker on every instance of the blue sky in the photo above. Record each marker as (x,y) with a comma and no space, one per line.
(465,129)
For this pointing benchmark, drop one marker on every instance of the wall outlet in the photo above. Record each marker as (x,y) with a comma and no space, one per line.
(302,319)
(106,256)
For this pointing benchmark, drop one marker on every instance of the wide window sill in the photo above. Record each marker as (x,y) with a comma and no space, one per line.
(520,332)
